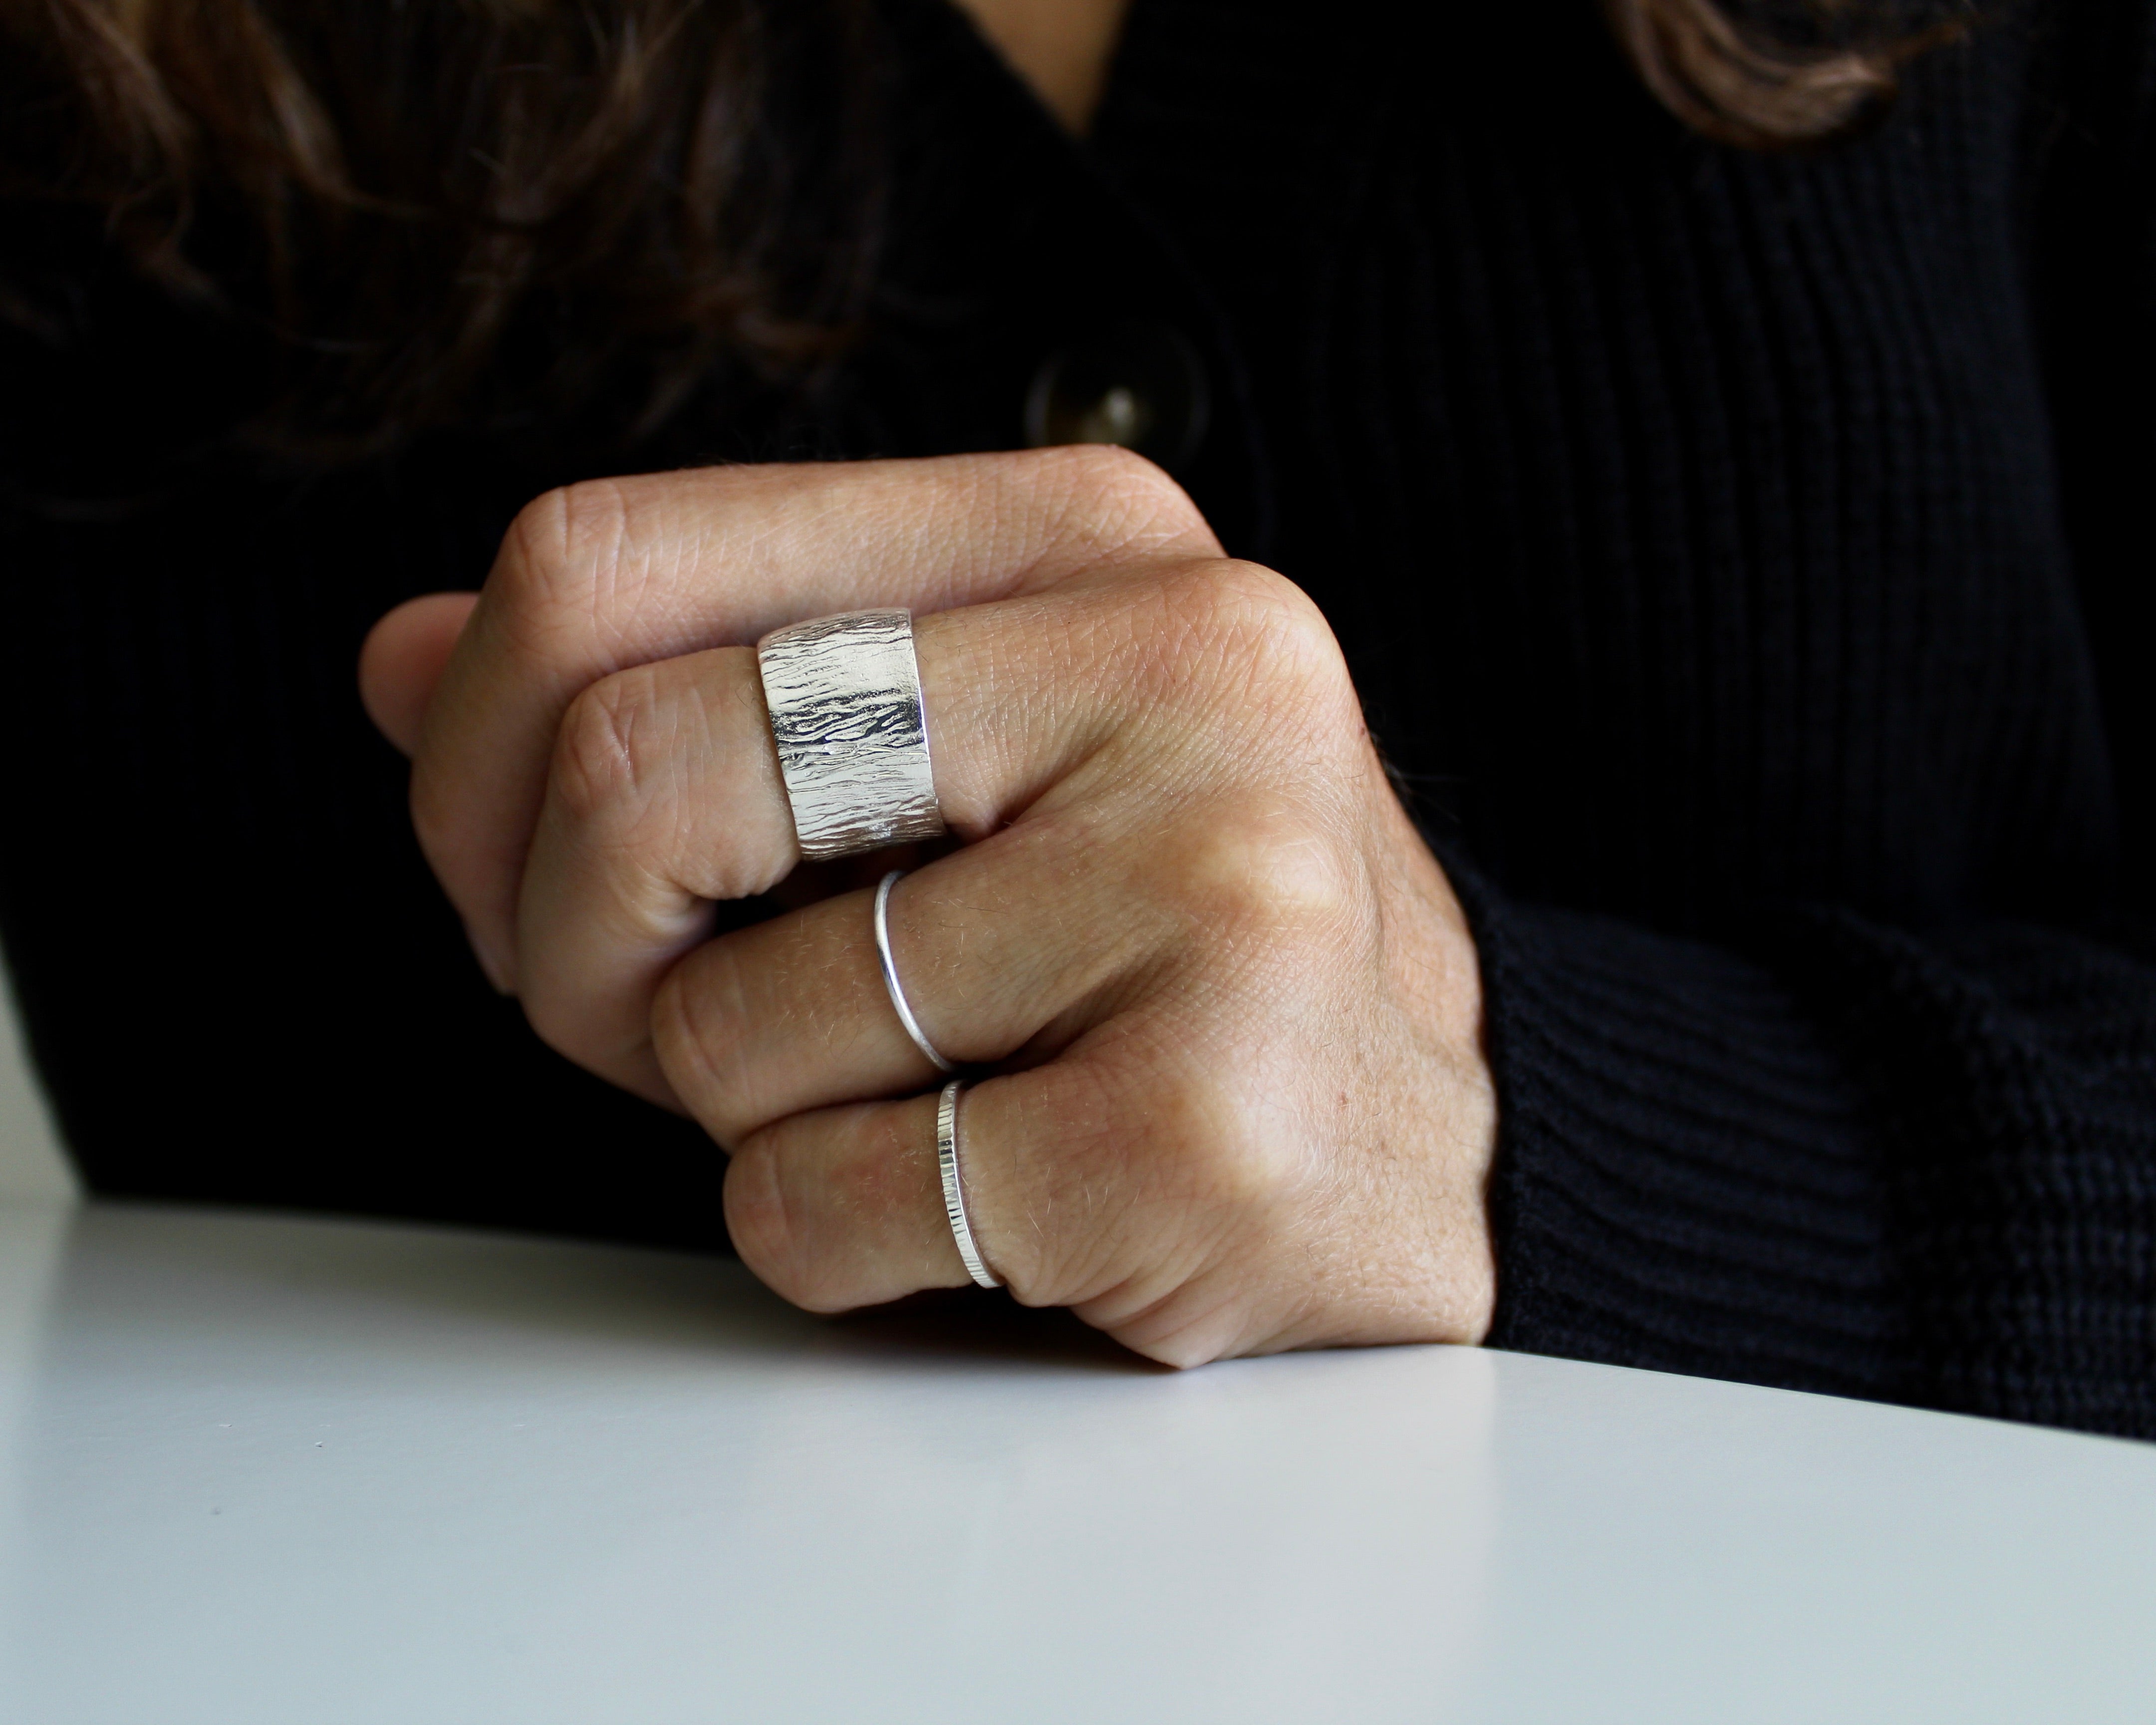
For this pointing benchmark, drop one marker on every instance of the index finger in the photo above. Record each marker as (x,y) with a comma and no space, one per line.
(612,573)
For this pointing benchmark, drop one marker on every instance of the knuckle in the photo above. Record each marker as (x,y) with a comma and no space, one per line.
(1122,497)
(696,1016)
(1111,471)
(582,560)
(1261,617)
(799,1221)
(1261,868)
(1228,1159)
(761,1221)
(609,753)
(563,547)
(1227,633)
(664,767)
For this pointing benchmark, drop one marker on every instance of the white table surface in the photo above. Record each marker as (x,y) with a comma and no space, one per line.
(255,1470)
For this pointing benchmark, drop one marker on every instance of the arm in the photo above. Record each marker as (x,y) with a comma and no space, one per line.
(1841,1155)
(1858,1160)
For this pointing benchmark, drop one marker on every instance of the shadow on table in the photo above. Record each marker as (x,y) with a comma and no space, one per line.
(175,1271)
(953,1322)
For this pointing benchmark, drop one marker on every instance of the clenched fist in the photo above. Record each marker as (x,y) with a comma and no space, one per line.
(1223,1004)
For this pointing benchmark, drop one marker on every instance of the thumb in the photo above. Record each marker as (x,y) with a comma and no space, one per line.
(404,658)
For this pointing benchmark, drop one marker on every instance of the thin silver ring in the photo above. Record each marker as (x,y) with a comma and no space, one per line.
(891,976)
(954,1193)
(844,694)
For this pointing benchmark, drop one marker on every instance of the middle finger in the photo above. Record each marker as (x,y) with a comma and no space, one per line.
(665,793)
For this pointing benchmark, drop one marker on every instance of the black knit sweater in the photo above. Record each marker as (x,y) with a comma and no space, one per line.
(1740,558)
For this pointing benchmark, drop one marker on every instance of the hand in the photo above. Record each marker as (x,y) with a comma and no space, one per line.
(1239,1102)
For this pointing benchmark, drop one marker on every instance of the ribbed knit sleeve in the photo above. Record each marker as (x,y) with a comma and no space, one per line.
(1872,1164)
(1839,1155)
(1688,1176)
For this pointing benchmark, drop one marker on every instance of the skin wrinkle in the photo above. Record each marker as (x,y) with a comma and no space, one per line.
(593,523)
(681,1042)
(1201,1314)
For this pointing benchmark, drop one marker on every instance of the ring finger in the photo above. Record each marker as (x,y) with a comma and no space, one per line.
(1081,1179)
(1015,946)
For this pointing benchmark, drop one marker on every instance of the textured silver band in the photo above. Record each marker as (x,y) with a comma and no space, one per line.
(890,975)
(845,697)
(954,1193)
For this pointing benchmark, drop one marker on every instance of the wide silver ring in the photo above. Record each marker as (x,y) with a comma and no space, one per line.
(905,1017)
(844,694)
(954,1191)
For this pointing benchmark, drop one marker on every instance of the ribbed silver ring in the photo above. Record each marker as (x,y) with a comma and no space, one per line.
(844,694)
(891,976)
(954,1192)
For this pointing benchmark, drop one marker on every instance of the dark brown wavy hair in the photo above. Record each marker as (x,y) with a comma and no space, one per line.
(452,211)
(1780,74)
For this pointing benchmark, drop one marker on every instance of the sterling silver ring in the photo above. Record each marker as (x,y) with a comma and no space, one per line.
(844,694)
(891,976)
(954,1193)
